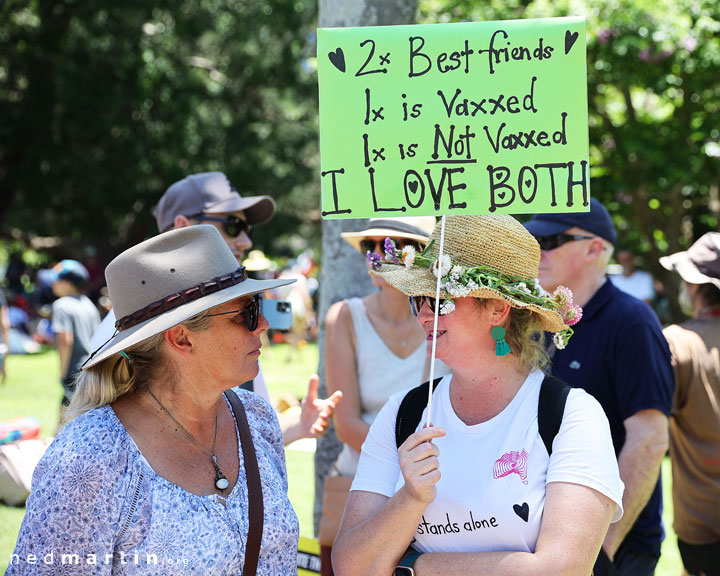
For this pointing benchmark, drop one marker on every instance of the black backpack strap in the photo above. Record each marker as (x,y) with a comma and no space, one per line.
(551,406)
(410,411)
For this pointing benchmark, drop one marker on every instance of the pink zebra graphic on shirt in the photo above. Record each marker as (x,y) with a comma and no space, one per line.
(512,462)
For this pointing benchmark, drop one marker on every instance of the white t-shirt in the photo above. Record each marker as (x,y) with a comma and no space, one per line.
(492,491)
(638,284)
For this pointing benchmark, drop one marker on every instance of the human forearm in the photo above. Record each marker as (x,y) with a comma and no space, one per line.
(387,533)
(289,421)
(352,431)
(639,463)
(64,343)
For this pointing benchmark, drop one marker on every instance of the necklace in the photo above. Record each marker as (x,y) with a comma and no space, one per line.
(221,481)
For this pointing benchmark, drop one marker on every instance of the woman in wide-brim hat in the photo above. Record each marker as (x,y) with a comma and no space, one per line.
(374,347)
(478,491)
(155,467)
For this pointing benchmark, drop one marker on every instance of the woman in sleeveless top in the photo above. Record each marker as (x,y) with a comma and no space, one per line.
(374,345)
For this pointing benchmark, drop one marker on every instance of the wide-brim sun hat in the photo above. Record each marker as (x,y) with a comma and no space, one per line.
(165,280)
(496,241)
(414,228)
(699,264)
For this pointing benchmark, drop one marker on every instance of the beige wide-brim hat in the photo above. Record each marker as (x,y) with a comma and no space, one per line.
(163,281)
(498,241)
(415,228)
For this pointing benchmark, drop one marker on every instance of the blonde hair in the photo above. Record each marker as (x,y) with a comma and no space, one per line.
(116,376)
(524,335)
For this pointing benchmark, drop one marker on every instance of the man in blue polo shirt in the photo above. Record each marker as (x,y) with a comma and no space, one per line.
(619,355)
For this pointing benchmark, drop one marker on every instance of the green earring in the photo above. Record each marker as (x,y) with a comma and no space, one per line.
(501,347)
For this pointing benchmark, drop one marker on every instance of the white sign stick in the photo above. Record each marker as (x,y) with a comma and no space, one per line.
(435,320)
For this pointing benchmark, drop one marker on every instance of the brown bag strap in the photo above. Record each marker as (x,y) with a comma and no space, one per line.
(256,511)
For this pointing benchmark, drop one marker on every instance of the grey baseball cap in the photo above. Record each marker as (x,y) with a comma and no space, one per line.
(208,193)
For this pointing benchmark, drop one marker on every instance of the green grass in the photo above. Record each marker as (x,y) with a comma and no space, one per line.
(33,389)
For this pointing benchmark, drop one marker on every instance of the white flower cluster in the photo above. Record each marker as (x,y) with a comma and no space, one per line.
(539,289)
(446,307)
(559,340)
(522,287)
(453,285)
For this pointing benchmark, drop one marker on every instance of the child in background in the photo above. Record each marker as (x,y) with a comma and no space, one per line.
(74,319)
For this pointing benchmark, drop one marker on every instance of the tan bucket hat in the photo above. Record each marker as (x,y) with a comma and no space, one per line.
(415,228)
(491,256)
(167,279)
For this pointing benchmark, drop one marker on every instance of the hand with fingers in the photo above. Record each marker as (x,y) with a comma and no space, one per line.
(420,464)
(316,413)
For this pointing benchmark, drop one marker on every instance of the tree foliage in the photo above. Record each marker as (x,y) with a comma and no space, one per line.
(654,107)
(104,104)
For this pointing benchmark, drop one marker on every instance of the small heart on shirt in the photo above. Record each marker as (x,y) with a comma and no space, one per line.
(522,511)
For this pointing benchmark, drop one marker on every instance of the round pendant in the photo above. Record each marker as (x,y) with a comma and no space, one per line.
(221,483)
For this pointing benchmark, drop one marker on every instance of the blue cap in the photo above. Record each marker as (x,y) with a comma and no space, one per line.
(70,270)
(597,222)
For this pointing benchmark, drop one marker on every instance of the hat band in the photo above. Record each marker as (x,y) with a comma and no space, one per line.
(183,297)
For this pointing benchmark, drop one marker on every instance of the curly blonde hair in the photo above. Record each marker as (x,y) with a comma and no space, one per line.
(116,376)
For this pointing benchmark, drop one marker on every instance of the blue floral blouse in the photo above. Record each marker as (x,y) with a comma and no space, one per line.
(97,507)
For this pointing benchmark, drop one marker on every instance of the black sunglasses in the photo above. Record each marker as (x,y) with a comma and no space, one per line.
(557,240)
(417,302)
(232,225)
(252,312)
(369,245)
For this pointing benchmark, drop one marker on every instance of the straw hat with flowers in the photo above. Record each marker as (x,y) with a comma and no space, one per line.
(489,256)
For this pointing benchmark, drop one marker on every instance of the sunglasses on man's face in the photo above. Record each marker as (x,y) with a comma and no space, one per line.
(557,240)
(232,225)
(251,314)
(417,302)
(370,245)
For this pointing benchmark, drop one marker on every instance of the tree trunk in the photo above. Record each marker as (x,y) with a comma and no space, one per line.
(344,273)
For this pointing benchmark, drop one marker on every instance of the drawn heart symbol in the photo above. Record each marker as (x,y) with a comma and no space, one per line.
(570,40)
(413,186)
(528,182)
(338,59)
(502,195)
(522,511)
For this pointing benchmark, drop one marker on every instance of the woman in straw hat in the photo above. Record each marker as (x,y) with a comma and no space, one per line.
(374,347)
(166,466)
(503,504)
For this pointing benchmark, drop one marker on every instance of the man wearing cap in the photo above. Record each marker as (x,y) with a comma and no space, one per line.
(74,318)
(617,354)
(695,418)
(210,198)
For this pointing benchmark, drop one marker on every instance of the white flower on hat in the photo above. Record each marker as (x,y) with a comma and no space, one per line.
(445,265)
(408,256)
(446,307)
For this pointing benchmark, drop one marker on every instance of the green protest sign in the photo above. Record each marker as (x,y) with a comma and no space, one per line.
(469,118)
